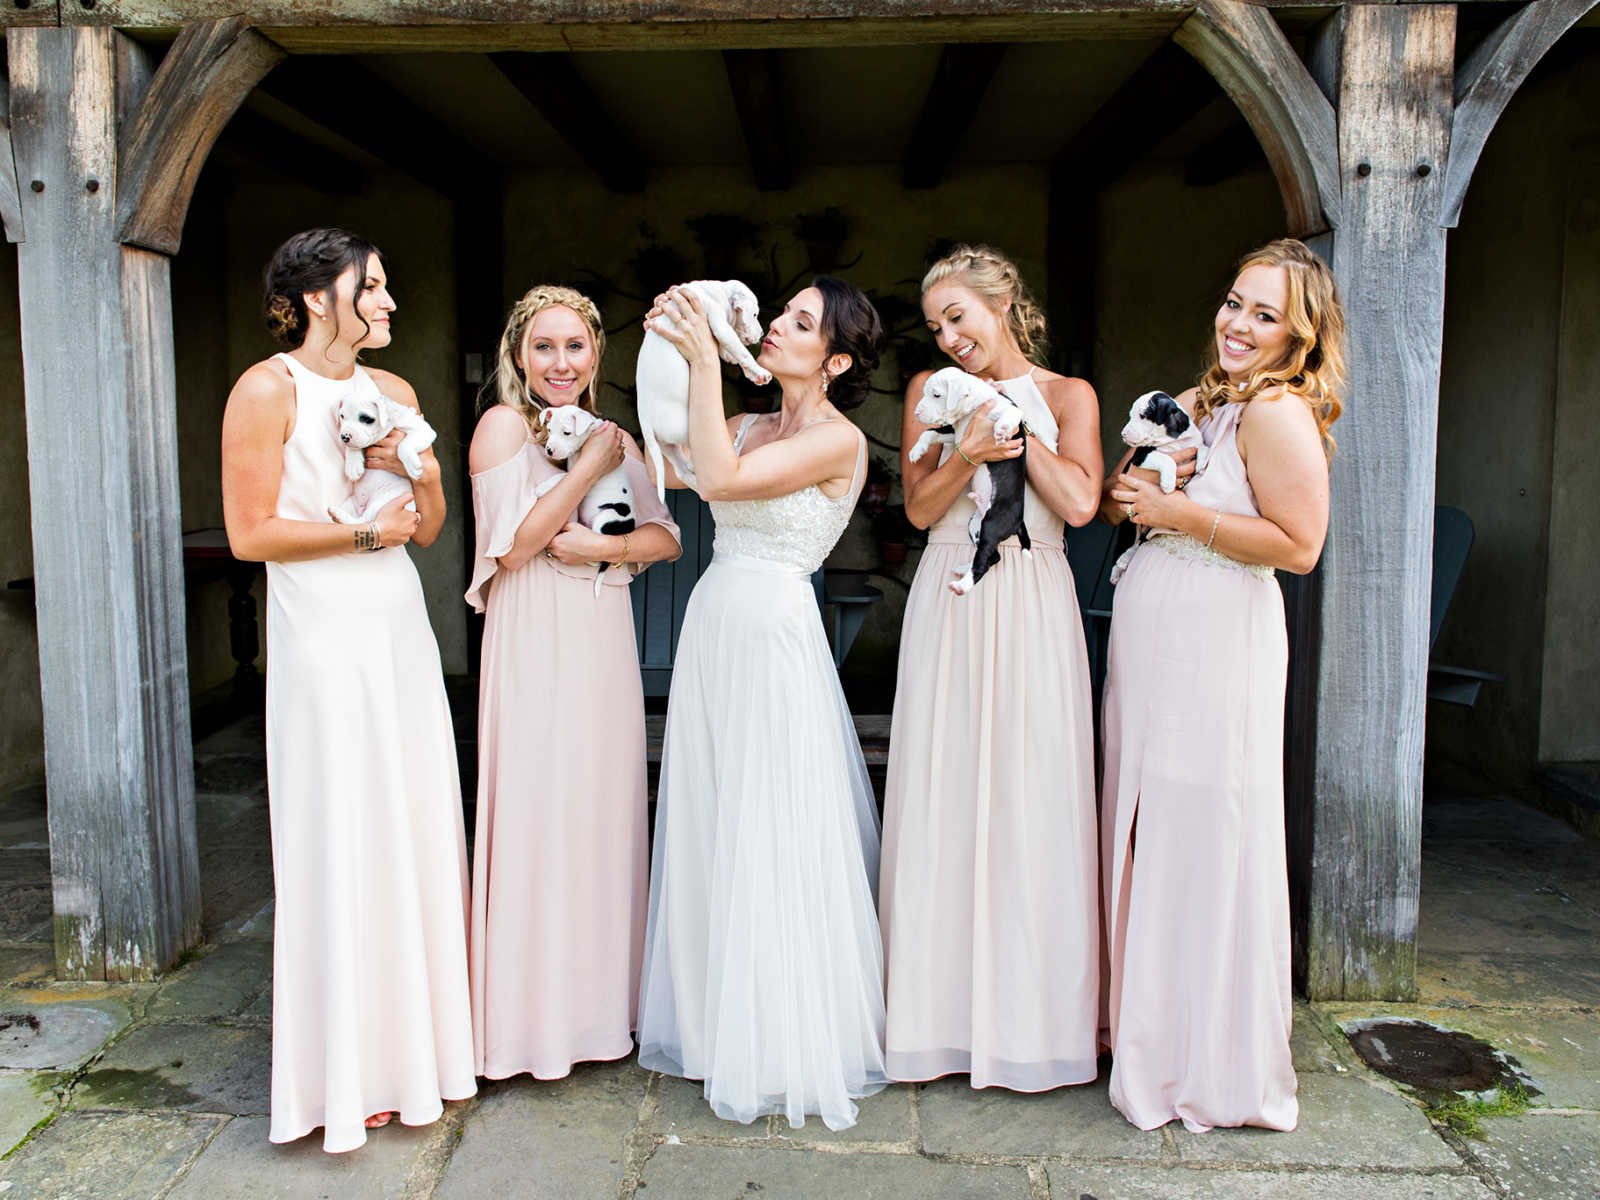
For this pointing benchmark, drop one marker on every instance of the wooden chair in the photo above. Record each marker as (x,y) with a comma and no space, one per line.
(661,595)
(1453,535)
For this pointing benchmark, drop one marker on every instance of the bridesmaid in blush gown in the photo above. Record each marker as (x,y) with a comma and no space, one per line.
(370,1014)
(763,971)
(1196,889)
(558,881)
(990,902)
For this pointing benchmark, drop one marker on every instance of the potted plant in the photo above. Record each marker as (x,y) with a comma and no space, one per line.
(823,234)
(895,534)
(875,491)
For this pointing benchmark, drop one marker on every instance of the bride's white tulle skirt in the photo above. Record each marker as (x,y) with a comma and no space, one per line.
(763,971)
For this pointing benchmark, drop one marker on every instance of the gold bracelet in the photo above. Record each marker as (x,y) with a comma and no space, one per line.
(1215,521)
(963,454)
(623,560)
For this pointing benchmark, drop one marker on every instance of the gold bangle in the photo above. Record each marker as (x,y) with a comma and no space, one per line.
(963,454)
(623,560)
(1215,521)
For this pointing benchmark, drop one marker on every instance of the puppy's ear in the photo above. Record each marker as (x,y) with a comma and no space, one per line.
(544,416)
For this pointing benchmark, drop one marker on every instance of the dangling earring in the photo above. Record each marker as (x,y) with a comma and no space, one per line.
(825,382)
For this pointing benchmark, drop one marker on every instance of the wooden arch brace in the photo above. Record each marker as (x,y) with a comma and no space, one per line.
(1487,81)
(199,86)
(1248,54)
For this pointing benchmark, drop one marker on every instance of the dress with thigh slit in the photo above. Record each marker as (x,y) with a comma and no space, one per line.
(1193,864)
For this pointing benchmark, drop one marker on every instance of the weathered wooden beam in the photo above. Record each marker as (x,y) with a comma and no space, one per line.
(256,139)
(558,93)
(757,87)
(1389,256)
(385,124)
(200,84)
(959,82)
(98,376)
(1489,78)
(1243,47)
(1169,85)
(10,199)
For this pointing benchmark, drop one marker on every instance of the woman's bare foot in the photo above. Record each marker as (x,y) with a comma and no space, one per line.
(379,1120)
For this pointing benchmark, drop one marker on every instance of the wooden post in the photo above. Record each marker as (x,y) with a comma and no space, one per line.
(1395,111)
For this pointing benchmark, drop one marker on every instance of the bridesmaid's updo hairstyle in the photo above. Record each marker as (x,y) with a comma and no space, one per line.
(1314,368)
(309,262)
(994,277)
(850,325)
(507,384)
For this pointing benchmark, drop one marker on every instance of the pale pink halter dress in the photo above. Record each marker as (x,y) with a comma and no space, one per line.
(559,877)
(369,975)
(1197,902)
(990,902)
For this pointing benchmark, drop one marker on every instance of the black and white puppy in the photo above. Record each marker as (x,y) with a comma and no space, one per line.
(608,506)
(949,401)
(1157,428)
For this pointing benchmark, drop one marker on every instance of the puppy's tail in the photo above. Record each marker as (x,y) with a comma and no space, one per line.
(599,578)
(653,449)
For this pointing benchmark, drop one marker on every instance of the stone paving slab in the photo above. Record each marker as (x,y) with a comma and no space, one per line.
(1462,916)
(1314,1048)
(25,1100)
(105,1156)
(681,1111)
(1559,1049)
(241,1164)
(1074,1182)
(201,1068)
(221,983)
(1075,1121)
(532,1139)
(887,1119)
(1456,979)
(25,904)
(1345,1121)
(740,1173)
(57,1035)
(1543,1156)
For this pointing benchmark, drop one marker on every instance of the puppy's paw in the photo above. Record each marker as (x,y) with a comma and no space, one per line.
(340,517)
(759,376)
(961,586)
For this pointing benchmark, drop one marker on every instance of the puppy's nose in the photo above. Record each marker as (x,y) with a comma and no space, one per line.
(345,438)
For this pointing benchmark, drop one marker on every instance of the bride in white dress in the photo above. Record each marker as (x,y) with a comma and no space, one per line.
(763,971)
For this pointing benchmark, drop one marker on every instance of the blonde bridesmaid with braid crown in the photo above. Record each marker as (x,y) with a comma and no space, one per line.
(1197,898)
(989,900)
(559,873)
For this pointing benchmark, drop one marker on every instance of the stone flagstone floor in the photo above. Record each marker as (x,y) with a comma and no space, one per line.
(157,1090)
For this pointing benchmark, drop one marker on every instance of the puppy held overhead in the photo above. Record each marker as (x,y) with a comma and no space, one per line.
(1158,428)
(950,399)
(364,421)
(662,374)
(608,506)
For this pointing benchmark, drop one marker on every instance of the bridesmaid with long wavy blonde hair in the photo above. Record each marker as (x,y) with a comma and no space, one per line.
(1197,901)
(558,880)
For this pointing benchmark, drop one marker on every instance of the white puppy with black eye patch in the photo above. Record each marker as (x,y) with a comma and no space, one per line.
(662,374)
(364,421)
(608,506)
(950,399)
(1157,429)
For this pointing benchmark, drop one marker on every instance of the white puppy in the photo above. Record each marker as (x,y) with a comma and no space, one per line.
(1157,428)
(608,506)
(364,421)
(662,374)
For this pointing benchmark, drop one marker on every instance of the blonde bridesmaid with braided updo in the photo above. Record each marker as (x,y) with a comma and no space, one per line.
(559,874)
(1194,869)
(989,893)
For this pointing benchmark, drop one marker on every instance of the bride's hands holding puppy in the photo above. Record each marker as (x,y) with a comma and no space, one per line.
(691,332)
(577,545)
(396,523)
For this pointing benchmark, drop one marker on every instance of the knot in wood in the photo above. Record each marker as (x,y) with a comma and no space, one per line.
(1364,169)
(37,185)
(1423,170)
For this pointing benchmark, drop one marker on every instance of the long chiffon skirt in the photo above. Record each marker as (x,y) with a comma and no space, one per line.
(370,1010)
(763,968)
(1197,900)
(559,872)
(990,893)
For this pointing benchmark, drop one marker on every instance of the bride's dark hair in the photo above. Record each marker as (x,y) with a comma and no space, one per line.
(850,325)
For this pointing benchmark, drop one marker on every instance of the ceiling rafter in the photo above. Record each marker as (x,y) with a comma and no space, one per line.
(757,86)
(959,82)
(552,85)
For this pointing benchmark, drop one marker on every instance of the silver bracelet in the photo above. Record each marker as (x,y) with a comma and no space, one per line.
(1215,521)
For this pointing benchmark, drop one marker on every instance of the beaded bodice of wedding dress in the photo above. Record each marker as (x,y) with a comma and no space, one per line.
(798,530)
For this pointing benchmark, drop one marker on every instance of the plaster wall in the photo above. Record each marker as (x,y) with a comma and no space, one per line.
(563,226)
(1503,339)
